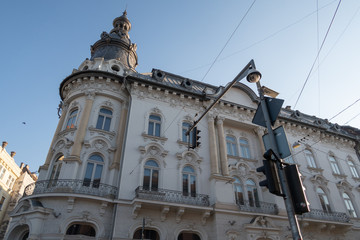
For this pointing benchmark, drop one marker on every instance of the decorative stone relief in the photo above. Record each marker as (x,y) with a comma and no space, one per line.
(344,185)
(190,157)
(319,179)
(179,214)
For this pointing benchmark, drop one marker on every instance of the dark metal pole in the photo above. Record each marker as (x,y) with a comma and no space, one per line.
(143,229)
(240,76)
(294,225)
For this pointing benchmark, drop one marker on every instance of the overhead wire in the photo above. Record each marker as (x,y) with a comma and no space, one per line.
(317,55)
(344,109)
(228,40)
(262,40)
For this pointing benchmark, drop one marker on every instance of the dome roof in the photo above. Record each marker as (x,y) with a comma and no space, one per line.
(117,44)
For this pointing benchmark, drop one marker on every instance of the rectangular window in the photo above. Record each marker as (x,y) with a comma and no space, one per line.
(146,183)
(97,176)
(155,180)
(87,178)
(193,185)
(2,172)
(2,202)
(185,185)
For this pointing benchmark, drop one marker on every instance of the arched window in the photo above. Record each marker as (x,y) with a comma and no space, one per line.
(334,165)
(244,148)
(239,194)
(104,119)
(147,234)
(349,205)
(189,181)
(323,200)
(310,158)
(93,171)
(185,127)
(253,196)
(151,176)
(154,127)
(72,119)
(188,236)
(55,172)
(231,146)
(353,169)
(81,229)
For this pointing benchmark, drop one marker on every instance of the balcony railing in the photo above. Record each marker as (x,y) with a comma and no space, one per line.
(330,216)
(258,207)
(171,196)
(71,186)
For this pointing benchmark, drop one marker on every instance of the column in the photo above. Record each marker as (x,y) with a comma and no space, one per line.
(81,131)
(58,129)
(212,146)
(222,146)
(260,132)
(120,137)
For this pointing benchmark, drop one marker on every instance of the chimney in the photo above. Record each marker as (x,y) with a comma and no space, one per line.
(4,144)
(12,154)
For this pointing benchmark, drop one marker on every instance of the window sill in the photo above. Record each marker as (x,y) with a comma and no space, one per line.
(241,158)
(154,138)
(357,179)
(67,130)
(92,129)
(320,170)
(343,176)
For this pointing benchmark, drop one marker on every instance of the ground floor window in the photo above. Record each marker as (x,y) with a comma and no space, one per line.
(148,234)
(188,236)
(81,229)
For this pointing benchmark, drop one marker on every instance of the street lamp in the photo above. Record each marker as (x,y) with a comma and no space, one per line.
(253,76)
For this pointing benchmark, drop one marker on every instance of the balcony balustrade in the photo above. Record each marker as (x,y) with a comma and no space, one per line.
(71,186)
(330,216)
(171,196)
(258,207)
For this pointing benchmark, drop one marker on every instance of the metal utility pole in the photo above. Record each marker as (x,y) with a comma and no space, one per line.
(294,225)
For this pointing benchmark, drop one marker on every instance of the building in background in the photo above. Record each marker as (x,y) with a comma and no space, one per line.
(119,161)
(13,180)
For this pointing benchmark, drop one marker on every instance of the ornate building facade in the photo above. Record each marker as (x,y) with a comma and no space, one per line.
(13,180)
(119,162)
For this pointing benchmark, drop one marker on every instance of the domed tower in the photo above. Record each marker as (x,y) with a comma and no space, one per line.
(80,177)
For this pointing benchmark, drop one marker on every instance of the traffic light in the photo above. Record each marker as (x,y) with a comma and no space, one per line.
(297,190)
(195,138)
(271,173)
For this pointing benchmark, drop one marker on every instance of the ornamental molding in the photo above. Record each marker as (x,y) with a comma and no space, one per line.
(97,84)
(319,179)
(189,157)
(174,99)
(344,185)
(153,150)
(262,227)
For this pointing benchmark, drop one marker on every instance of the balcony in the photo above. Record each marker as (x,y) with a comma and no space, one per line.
(329,216)
(171,196)
(72,186)
(258,207)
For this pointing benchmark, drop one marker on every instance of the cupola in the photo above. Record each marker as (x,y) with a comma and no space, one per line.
(117,44)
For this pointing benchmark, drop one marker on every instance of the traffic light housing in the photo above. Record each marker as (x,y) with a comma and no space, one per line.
(195,138)
(270,171)
(297,190)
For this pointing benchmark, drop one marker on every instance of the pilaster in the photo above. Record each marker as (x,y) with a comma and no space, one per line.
(222,146)
(80,135)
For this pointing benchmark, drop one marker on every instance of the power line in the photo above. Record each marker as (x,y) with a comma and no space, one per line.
(228,40)
(262,40)
(317,56)
(352,118)
(344,109)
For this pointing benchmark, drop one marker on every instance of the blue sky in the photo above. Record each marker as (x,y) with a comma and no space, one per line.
(42,41)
